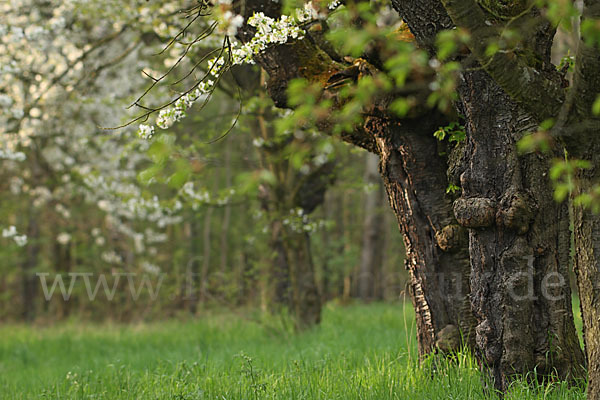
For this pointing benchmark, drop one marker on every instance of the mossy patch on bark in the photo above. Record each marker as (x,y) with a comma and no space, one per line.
(505,9)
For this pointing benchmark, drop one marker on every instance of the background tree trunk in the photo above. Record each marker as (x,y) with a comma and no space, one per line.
(291,280)
(372,243)
(585,145)
(224,246)
(305,300)
(29,279)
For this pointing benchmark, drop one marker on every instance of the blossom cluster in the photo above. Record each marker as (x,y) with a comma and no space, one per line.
(298,221)
(228,21)
(199,198)
(42,69)
(11,232)
(269,31)
(13,156)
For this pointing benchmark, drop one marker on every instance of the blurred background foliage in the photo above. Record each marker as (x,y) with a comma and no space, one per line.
(194,213)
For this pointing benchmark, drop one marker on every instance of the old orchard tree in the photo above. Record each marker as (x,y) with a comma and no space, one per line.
(488,266)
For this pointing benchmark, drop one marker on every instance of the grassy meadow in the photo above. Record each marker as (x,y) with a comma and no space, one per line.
(358,352)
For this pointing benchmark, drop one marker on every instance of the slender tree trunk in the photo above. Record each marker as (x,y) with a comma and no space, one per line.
(62,263)
(192,280)
(305,298)
(206,254)
(372,243)
(582,128)
(326,273)
(29,288)
(346,248)
(226,215)
(587,268)
(279,269)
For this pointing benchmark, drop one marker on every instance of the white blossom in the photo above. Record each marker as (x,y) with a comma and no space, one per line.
(145,131)
(63,238)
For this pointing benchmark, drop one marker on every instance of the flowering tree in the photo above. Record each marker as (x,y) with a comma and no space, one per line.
(61,80)
(109,201)
(475,73)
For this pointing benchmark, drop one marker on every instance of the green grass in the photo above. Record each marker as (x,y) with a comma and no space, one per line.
(359,352)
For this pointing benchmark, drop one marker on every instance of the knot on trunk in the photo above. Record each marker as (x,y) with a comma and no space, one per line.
(450,237)
(515,212)
(475,212)
(448,339)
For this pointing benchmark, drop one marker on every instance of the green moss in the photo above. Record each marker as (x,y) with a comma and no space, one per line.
(505,9)
(317,66)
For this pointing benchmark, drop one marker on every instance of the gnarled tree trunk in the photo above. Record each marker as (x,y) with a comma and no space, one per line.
(518,237)
(519,243)
(437,258)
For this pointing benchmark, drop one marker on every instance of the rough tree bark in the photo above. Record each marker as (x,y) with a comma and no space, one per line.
(437,258)
(518,236)
(587,268)
(415,180)
(519,243)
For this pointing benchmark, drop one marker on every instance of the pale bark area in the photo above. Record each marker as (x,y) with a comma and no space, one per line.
(587,268)
(63,264)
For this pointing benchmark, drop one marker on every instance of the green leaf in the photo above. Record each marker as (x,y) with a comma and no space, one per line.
(561,192)
(440,134)
(452,188)
(400,106)
(147,176)
(159,152)
(547,124)
(181,175)
(596,106)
